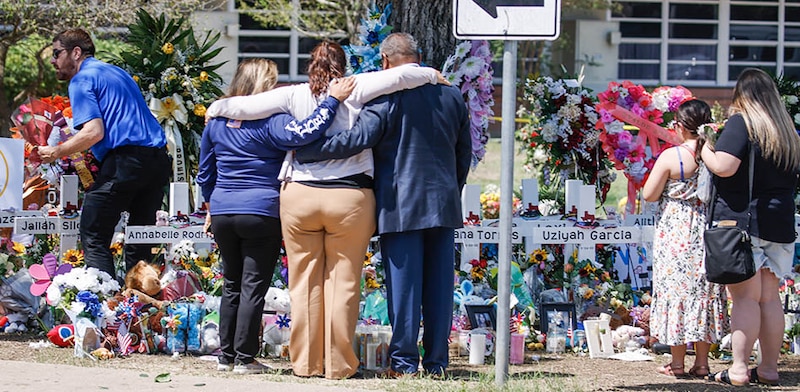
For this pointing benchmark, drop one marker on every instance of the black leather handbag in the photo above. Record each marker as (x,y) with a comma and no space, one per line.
(729,255)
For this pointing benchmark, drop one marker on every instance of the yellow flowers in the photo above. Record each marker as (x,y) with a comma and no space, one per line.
(170,104)
(203,76)
(539,256)
(371,283)
(116,249)
(199,110)
(168,48)
(135,78)
(19,248)
(73,257)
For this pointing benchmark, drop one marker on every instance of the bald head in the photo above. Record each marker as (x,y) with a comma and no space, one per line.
(398,49)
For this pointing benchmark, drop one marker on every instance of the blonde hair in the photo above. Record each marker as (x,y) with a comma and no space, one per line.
(769,125)
(253,76)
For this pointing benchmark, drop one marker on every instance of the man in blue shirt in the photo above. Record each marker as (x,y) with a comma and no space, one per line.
(115,122)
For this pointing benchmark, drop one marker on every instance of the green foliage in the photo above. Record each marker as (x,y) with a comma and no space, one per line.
(22,70)
(166,59)
(315,18)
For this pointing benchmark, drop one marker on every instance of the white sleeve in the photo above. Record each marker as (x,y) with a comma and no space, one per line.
(372,85)
(252,107)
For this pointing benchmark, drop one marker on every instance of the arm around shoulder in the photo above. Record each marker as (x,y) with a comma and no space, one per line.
(366,133)
(252,107)
(374,84)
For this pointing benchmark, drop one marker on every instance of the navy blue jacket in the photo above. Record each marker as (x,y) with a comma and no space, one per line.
(240,160)
(421,143)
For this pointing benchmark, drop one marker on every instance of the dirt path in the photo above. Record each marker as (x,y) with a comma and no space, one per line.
(52,368)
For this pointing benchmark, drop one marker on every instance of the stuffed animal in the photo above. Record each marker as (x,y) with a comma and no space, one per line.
(277,301)
(143,281)
(628,338)
(210,330)
(162,218)
(17,322)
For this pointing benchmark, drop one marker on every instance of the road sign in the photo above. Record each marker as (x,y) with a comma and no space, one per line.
(507,19)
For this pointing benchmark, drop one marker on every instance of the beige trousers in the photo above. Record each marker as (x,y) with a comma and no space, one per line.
(326,233)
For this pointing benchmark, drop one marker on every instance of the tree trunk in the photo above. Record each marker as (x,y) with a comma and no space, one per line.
(430,22)
(5,107)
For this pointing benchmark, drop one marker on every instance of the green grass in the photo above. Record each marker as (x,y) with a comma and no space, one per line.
(488,172)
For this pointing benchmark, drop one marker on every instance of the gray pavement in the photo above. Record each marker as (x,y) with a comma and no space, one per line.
(44,377)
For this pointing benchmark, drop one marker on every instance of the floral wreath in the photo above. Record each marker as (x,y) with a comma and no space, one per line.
(634,151)
(367,56)
(561,141)
(470,69)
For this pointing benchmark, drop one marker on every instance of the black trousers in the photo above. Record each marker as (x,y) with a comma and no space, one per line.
(249,245)
(132,179)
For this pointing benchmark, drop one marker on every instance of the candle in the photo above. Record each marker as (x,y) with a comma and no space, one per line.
(517,352)
(477,349)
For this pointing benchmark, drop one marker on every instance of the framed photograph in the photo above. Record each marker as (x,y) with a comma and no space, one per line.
(481,316)
(561,314)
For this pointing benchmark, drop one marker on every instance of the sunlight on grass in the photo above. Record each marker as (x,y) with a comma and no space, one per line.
(488,172)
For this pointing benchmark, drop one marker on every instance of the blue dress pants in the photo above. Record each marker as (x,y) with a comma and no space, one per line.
(419,268)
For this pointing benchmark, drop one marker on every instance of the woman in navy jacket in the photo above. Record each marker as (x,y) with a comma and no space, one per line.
(238,175)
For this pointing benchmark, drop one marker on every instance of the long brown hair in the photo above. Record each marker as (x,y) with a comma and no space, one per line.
(327,63)
(769,125)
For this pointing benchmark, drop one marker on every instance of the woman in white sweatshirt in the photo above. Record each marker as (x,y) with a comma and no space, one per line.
(327,211)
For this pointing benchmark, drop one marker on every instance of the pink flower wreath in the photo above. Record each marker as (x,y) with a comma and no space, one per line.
(634,151)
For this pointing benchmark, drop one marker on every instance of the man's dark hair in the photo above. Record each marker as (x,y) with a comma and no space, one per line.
(76,38)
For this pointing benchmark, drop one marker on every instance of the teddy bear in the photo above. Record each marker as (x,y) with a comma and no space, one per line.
(162,218)
(628,338)
(277,301)
(275,323)
(143,281)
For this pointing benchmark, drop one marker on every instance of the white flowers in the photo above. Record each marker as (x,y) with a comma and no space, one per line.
(81,279)
(182,251)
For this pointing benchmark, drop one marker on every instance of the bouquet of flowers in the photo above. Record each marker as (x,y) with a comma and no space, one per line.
(176,75)
(204,263)
(470,69)
(634,151)
(367,56)
(48,122)
(561,140)
(10,260)
(82,292)
(490,203)
(710,132)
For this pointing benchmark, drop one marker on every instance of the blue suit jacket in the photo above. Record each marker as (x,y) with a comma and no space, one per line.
(420,139)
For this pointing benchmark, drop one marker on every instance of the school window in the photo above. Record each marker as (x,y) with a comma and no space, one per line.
(704,43)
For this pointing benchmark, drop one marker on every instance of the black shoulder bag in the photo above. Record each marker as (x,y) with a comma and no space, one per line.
(729,255)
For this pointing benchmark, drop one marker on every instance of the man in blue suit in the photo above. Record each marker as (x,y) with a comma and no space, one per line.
(422,150)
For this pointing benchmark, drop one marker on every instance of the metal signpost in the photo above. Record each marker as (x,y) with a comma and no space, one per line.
(507,20)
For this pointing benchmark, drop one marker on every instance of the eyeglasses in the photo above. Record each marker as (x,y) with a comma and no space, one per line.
(57,52)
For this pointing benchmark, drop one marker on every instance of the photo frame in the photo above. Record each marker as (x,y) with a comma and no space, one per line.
(482,316)
(564,310)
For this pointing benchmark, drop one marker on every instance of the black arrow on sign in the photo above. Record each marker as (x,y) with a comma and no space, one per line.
(490,6)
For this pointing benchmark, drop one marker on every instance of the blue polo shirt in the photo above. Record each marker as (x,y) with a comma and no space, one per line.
(105,91)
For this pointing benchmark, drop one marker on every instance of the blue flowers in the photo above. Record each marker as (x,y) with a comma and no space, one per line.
(91,303)
(373,30)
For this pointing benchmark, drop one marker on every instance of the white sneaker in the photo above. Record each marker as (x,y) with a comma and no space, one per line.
(254,367)
(224,367)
